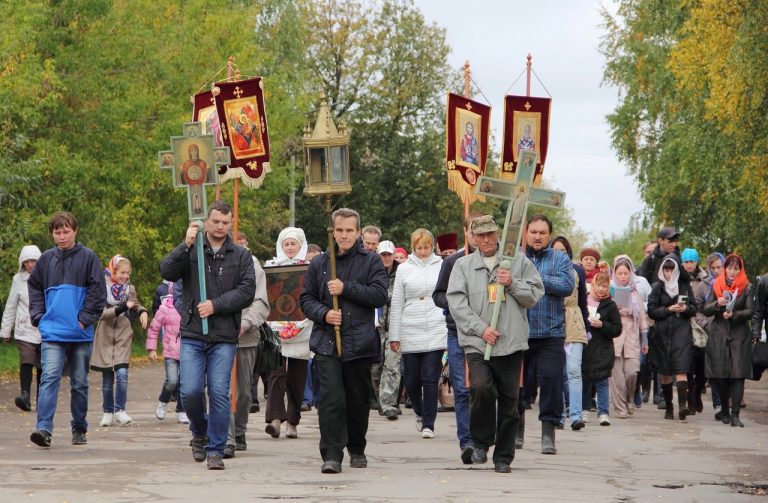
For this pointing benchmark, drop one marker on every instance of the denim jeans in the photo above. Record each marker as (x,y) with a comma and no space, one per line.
(460,391)
(78,355)
(207,365)
(171,384)
(308,398)
(573,372)
(114,389)
(422,372)
(603,393)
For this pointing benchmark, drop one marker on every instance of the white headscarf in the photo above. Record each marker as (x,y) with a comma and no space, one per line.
(671,286)
(292,233)
(632,284)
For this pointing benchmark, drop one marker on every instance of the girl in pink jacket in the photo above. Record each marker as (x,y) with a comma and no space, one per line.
(167,319)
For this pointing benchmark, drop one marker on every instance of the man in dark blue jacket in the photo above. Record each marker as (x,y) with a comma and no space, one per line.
(206,359)
(67,295)
(345,381)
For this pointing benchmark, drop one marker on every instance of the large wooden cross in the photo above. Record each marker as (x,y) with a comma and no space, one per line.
(520,193)
(194,160)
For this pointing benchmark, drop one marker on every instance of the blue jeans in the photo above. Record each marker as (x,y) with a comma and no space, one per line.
(206,365)
(114,396)
(422,371)
(460,391)
(573,373)
(78,355)
(603,392)
(171,384)
(308,398)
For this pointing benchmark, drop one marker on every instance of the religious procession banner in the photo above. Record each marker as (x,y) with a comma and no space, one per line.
(239,118)
(526,127)
(467,132)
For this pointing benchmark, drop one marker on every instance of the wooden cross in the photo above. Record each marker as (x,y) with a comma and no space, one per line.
(520,193)
(194,160)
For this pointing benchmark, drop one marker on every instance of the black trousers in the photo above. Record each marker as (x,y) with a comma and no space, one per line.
(287,380)
(548,355)
(345,388)
(495,381)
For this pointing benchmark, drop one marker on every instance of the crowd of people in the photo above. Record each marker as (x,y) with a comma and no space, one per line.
(382,325)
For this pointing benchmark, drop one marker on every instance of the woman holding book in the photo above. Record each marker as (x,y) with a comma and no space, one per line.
(729,347)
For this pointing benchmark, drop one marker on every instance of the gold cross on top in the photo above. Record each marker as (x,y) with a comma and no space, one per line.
(527,106)
(469,106)
(237,92)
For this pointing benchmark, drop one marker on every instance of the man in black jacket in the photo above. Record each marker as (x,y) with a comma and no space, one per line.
(345,381)
(206,359)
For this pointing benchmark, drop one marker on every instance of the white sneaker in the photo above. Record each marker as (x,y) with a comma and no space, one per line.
(604,421)
(107,419)
(427,433)
(122,417)
(419,425)
(585,416)
(182,418)
(160,411)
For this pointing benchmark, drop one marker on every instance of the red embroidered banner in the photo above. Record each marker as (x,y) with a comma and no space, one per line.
(526,127)
(242,125)
(467,131)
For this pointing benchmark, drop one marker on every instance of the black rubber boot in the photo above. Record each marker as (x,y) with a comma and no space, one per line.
(670,408)
(682,400)
(737,393)
(548,438)
(520,435)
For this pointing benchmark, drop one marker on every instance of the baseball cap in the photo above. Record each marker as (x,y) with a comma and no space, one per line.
(668,233)
(385,247)
(483,224)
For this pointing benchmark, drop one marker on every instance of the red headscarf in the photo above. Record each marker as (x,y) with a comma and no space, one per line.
(737,286)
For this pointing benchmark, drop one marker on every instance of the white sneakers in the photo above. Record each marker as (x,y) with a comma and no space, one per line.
(427,433)
(160,411)
(107,419)
(182,418)
(122,417)
(604,421)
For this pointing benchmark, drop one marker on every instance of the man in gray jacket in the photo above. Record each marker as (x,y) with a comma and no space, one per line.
(476,283)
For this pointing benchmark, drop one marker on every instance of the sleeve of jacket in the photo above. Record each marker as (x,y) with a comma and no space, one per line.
(441,287)
(372,292)
(559,282)
(311,296)
(655,310)
(96,293)
(758,309)
(237,299)
(710,307)
(396,307)
(467,321)
(527,287)
(611,321)
(9,313)
(178,296)
(36,291)
(701,319)
(582,294)
(154,330)
(256,314)
(745,314)
(646,269)
(175,264)
(691,307)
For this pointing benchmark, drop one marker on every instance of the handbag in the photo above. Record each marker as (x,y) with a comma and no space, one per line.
(445,390)
(700,335)
(268,355)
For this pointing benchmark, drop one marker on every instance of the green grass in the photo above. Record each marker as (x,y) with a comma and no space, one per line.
(9,357)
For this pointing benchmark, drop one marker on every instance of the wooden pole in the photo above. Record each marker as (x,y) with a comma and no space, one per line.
(235,230)
(332,258)
(528,67)
(466,201)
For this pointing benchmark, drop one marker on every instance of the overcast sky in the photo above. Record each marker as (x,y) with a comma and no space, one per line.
(563,37)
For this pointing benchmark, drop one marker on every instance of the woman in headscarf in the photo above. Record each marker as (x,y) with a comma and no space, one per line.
(697,277)
(729,348)
(633,340)
(671,305)
(289,378)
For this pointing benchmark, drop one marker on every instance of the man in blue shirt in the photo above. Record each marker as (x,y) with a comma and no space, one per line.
(547,325)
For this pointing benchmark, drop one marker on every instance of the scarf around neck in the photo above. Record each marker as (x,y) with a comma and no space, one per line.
(116,292)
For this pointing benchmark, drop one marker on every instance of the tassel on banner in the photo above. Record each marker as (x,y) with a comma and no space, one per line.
(465,191)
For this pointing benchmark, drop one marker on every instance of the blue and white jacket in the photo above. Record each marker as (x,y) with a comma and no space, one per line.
(547,317)
(66,289)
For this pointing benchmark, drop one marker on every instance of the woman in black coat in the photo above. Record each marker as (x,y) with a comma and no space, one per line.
(729,347)
(671,305)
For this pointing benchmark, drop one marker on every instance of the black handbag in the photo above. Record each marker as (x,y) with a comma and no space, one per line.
(268,355)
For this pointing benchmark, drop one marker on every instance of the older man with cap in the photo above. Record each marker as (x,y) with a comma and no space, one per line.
(386,376)
(476,283)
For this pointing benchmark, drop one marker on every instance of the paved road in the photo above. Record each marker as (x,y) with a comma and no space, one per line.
(644,458)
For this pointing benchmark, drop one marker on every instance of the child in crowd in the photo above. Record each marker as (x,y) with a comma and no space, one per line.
(112,345)
(167,319)
(605,325)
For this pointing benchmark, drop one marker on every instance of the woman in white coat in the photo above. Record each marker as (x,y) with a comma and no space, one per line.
(16,320)
(417,328)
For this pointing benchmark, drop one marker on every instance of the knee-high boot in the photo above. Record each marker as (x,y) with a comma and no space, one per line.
(737,393)
(724,389)
(691,395)
(520,435)
(682,399)
(548,438)
(670,407)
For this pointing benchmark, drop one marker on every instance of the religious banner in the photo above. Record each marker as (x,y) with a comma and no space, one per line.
(284,286)
(467,131)
(242,123)
(526,127)
(204,112)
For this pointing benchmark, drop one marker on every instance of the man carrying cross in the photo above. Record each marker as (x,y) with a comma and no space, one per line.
(478,282)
